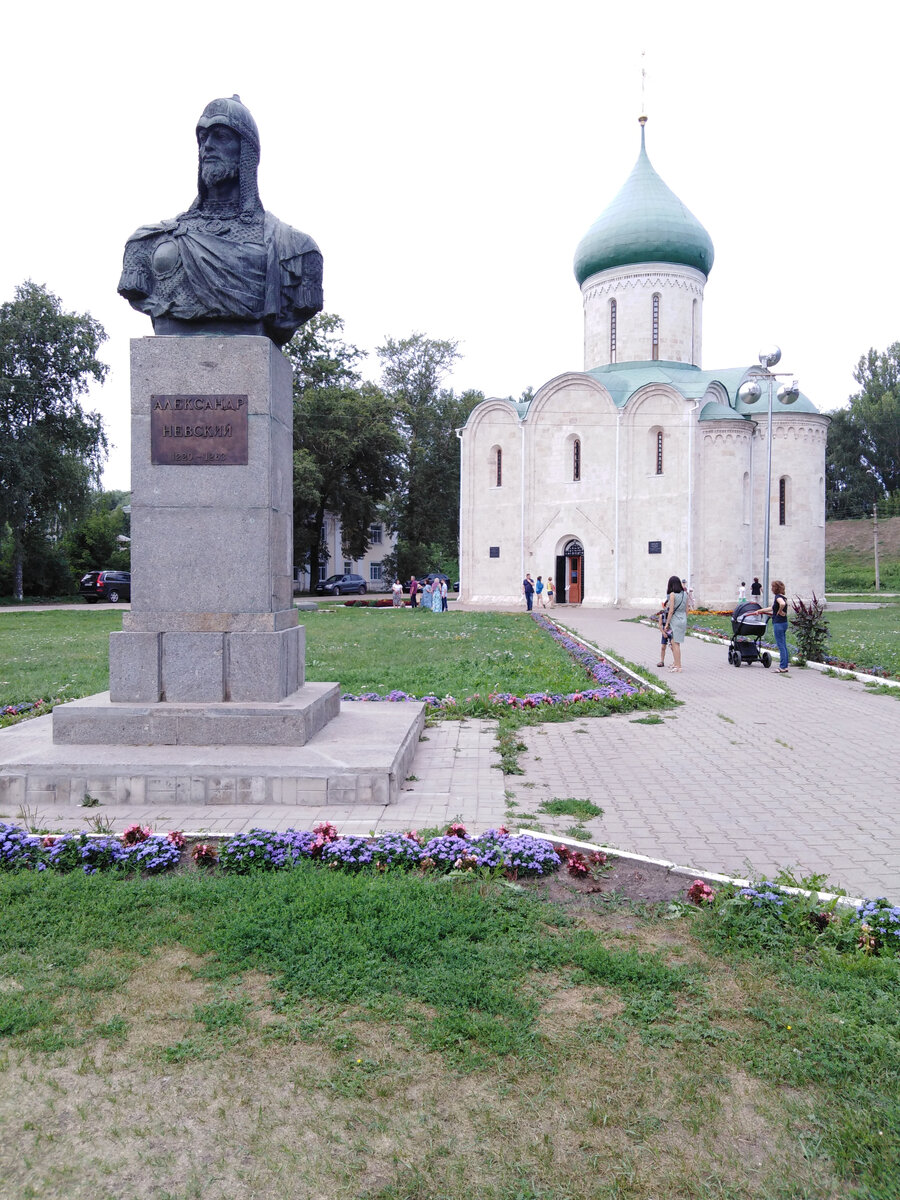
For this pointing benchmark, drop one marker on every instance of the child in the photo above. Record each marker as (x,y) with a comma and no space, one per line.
(742,593)
(666,638)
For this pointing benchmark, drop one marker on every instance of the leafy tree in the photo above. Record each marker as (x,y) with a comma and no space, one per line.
(94,542)
(50,449)
(426,507)
(346,444)
(862,465)
(850,488)
(875,411)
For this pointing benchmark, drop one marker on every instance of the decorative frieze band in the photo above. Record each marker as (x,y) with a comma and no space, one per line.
(658,279)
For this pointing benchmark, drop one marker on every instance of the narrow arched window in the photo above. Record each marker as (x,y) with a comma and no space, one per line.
(655,326)
(782,501)
(499,467)
(576,459)
(659,452)
(612,331)
(694,354)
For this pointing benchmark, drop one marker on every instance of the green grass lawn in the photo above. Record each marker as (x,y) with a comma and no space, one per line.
(45,655)
(849,570)
(457,654)
(867,637)
(321,1034)
(65,654)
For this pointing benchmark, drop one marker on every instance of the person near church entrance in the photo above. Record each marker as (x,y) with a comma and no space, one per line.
(436,595)
(742,592)
(778,611)
(550,591)
(426,596)
(528,590)
(756,589)
(676,618)
(397,593)
(539,592)
(444,590)
(413,592)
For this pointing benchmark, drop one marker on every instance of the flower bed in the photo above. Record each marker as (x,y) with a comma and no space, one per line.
(610,684)
(139,849)
(10,713)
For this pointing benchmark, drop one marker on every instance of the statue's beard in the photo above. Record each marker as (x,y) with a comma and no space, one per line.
(214,171)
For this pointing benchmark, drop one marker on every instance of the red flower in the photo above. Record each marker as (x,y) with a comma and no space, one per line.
(135,834)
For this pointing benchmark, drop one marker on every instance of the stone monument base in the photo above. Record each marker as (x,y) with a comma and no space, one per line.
(361,757)
(292,722)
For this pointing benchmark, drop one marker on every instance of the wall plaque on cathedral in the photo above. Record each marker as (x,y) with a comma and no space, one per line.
(654,547)
(198,431)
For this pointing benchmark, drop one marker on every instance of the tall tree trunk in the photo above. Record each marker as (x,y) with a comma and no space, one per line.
(18,558)
(315,548)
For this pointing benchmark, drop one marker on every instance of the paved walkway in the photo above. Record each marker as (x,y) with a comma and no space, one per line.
(752,768)
(755,768)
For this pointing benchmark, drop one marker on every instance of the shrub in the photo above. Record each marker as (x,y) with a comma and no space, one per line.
(700,893)
(878,923)
(89,852)
(810,630)
(205,855)
(136,833)
(526,855)
(396,850)
(153,854)
(266,850)
(20,850)
(350,852)
(444,851)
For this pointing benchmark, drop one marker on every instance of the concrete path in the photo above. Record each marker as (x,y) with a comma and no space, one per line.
(755,768)
(801,771)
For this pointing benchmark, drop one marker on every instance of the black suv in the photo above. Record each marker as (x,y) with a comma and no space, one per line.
(341,585)
(105,585)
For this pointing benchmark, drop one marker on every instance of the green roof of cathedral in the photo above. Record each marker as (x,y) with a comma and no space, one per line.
(622,380)
(646,222)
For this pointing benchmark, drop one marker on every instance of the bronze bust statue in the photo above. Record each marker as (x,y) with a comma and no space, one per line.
(225,266)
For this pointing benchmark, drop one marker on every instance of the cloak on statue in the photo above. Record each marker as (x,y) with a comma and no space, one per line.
(225,269)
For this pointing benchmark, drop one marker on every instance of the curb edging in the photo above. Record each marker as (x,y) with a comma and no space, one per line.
(675,869)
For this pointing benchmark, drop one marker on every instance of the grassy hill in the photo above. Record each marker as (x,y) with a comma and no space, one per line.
(850,555)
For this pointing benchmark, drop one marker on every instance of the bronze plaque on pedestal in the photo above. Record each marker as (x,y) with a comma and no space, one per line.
(198,431)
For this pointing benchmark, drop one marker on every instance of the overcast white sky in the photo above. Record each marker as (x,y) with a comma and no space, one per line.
(448,157)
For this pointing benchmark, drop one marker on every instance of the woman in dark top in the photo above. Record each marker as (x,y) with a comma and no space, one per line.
(778,611)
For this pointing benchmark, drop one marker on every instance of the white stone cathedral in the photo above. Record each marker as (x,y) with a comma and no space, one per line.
(643,465)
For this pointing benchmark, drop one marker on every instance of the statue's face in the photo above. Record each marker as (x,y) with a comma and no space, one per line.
(220,153)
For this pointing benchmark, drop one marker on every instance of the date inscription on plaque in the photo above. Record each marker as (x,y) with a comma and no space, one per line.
(198,431)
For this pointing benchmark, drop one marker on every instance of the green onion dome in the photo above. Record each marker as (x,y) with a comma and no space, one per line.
(646,222)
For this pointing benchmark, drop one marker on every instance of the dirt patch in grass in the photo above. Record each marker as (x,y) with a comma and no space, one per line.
(622,879)
(386,1118)
(207,1085)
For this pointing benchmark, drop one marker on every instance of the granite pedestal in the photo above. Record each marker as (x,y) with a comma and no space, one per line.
(208,701)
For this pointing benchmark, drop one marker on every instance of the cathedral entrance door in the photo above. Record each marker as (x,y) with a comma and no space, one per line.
(573,557)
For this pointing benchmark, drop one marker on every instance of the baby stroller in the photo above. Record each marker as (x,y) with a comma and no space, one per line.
(747,628)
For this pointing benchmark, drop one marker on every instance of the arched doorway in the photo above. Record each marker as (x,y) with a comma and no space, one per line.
(570,573)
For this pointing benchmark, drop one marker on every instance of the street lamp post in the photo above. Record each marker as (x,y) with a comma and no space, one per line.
(750,393)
